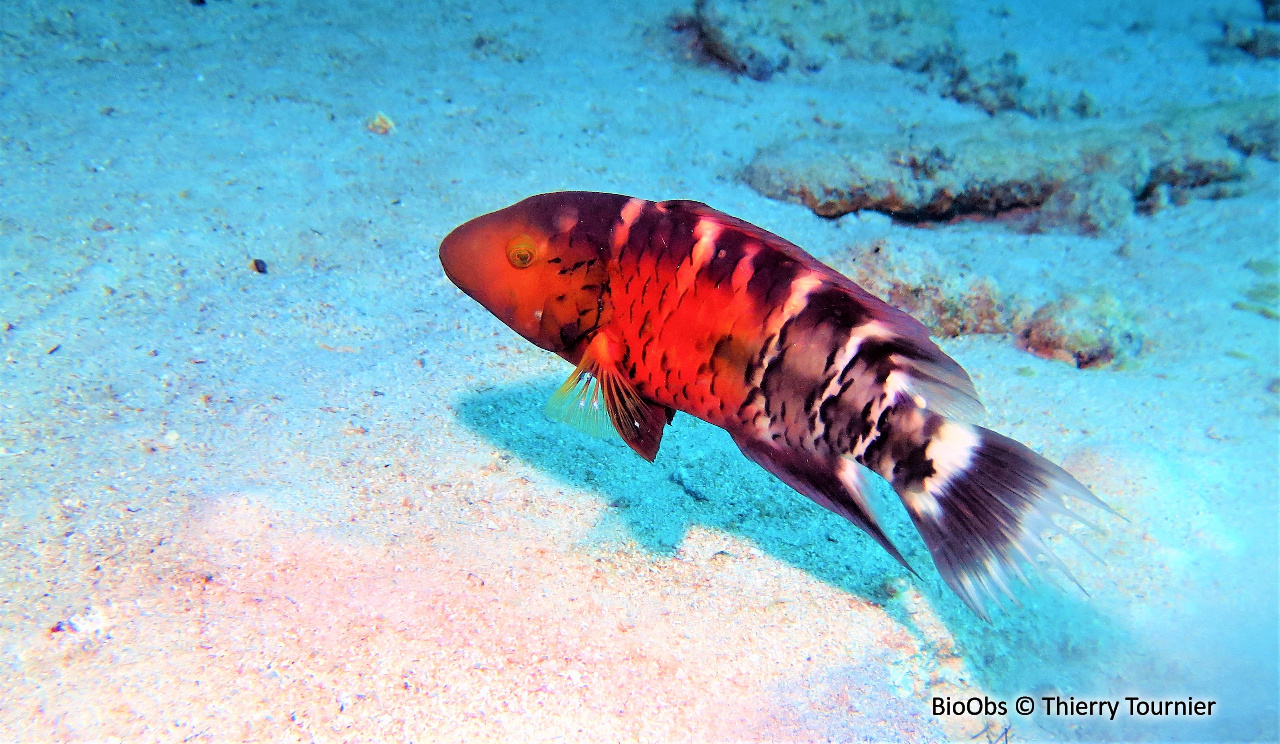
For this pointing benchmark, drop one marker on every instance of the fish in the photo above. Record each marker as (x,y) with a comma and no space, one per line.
(666,306)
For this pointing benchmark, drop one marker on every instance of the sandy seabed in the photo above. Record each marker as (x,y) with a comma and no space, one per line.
(322,502)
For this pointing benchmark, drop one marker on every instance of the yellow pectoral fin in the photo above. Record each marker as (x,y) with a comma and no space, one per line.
(598,397)
(578,403)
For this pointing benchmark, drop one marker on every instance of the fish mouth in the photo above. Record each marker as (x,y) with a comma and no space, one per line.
(457,281)
(468,261)
(444,264)
(456,284)
(449,259)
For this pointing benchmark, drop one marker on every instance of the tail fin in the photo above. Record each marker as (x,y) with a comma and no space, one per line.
(985,507)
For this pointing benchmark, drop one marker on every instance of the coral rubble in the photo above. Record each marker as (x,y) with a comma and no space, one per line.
(1086,327)
(1080,175)
(762,37)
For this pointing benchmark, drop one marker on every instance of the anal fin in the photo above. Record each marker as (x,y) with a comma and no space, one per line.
(598,397)
(835,483)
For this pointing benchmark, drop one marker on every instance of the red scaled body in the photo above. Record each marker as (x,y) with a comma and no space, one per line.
(673,306)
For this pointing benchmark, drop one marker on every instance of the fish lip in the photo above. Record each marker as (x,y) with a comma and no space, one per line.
(456,283)
(454,276)
(444,263)
(453,252)
(451,277)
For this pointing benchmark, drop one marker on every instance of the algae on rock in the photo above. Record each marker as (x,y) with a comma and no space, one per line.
(1080,175)
(1086,327)
(762,37)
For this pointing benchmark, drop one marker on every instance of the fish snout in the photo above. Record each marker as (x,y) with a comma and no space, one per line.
(453,258)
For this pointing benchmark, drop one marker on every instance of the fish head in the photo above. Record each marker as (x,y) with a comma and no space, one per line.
(538,265)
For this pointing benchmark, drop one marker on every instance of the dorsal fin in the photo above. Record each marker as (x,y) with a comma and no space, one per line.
(598,397)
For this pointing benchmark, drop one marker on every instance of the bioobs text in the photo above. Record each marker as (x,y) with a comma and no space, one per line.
(974,706)
(1069,706)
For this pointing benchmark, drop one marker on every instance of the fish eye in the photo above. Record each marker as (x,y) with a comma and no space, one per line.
(521,251)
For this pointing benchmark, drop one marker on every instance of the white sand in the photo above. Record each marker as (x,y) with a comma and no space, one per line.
(323,504)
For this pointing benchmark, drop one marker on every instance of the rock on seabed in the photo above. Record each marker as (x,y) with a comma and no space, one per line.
(1085,176)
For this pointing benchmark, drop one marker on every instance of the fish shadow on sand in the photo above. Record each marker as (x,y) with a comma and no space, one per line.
(1053,643)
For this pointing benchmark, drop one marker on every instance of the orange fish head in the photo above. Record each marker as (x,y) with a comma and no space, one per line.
(538,265)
